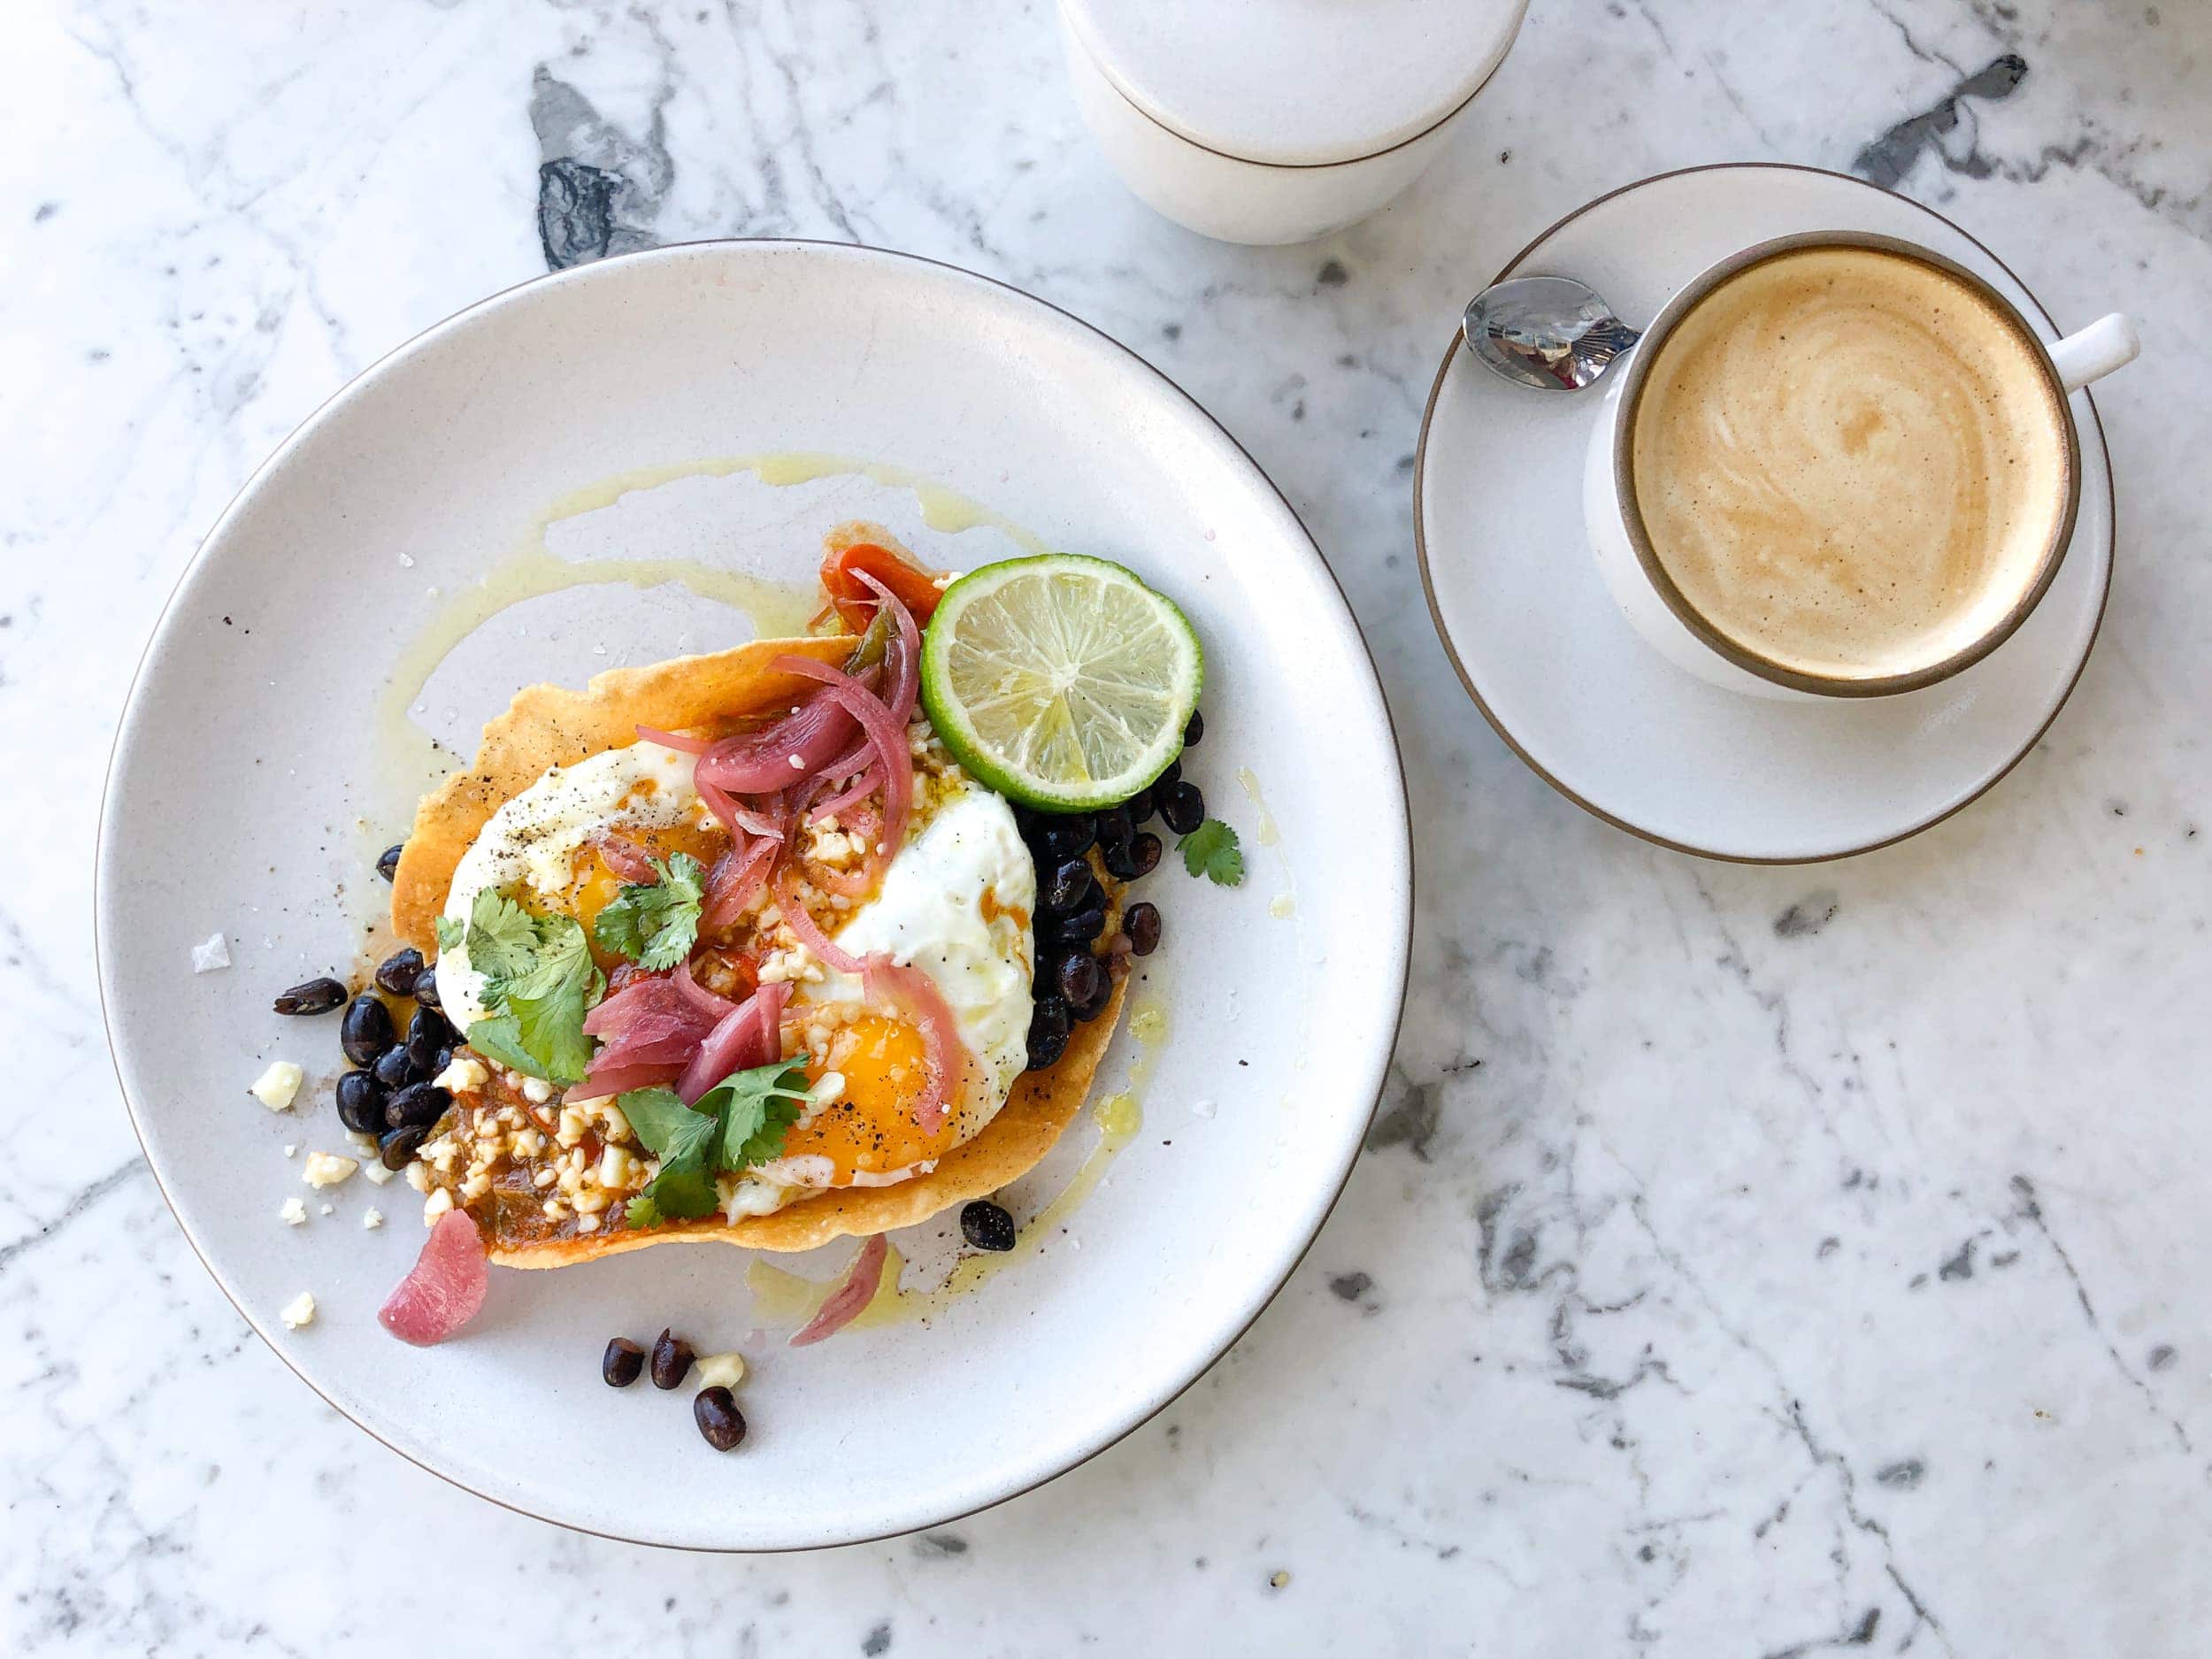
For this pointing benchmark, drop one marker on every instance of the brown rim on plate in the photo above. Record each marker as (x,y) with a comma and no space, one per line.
(1113,81)
(1651,347)
(100,945)
(1467,680)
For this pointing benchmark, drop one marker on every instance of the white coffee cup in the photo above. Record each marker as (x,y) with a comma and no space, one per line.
(1656,608)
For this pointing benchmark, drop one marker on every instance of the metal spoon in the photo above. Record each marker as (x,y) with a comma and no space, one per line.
(1549,332)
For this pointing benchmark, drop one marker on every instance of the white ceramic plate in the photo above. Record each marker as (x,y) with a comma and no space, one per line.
(254,778)
(1598,713)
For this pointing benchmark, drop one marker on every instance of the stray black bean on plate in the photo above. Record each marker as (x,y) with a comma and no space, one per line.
(671,1360)
(622,1361)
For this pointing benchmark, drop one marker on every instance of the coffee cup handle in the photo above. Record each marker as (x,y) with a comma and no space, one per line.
(2091,353)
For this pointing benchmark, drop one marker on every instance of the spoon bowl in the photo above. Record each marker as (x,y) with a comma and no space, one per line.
(1549,332)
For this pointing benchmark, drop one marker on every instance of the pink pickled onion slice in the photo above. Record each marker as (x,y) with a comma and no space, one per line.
(869,782)
(906,673)
(625,858)
(758,824)
(863,1280)
(751,1036)
(754,763)
(720,804)
(810,931)
(676,741)
(888,736)
(445,1287)
(651,1028)
(734,881)
(945,1057)
(706,1002)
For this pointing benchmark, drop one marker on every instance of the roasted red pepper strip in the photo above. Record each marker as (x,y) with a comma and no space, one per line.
(917,589)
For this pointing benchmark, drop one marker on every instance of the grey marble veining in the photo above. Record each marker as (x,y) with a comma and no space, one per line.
(1745,1261)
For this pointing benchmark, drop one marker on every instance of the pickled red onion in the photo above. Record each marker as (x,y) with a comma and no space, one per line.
(888,736)
(863,1280)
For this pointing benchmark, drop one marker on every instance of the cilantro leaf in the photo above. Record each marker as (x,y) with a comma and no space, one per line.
(502,942)
(654,923)
(451,931)
(499,1039)
(740,1122)
(549,1001)
(684,1141)
(757,1107)
(538,979)
(1211,850)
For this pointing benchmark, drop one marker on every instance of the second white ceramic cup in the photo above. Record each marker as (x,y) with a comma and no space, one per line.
(1657,610)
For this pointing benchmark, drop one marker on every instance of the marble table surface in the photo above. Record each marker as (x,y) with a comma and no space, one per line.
(1761,1261)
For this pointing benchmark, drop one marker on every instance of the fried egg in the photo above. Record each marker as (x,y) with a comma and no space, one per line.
(955,903)
(530,848)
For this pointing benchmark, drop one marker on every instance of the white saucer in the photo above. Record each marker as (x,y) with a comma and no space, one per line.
(1599,715)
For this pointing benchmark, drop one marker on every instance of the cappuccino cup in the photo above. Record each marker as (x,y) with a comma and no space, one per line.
(1839,465)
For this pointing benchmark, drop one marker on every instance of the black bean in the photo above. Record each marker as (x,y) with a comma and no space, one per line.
(396,1149)
(387,860)
(1195,729)
(1079,979)
(396,974)
(1114,829)
(622,1361)
(715,1413)
(1080,928)
(361,1103)
(367,1030)
(396,1068)
(317,997)
(987,1226)
(1068,836)
(672,1359)
(1092,1010)
(1141,922)
(1141,805)
(1049,1027)
(1171,775)
(1070,887)
(425,988)
(417,1105)
(427,1033)
(440,1060)
(1132,858)
(1183,809)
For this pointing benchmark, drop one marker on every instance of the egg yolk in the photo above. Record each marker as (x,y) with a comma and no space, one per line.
(869,1129)
(595,886)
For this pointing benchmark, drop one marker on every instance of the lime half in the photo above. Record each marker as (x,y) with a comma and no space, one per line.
(1063,682)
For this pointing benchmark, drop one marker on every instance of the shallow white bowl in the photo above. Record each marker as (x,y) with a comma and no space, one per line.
(247,794)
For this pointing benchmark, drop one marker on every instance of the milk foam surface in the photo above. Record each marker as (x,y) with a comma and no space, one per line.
(1849,461)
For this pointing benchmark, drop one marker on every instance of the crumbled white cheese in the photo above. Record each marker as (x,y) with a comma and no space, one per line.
(725,1370)
(298,1312)
(536,1090)
(295,1213)
(371,1218)
(276,1086)
(326,1169)
(827,1090)
(406,561)
(329,1209)
(376,1172)
(291,1149)
(464,1076)
(212,956)
(439,1201)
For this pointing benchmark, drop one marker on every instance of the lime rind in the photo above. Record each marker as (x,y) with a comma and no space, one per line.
(1061,682)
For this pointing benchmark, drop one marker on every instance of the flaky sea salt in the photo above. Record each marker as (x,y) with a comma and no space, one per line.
(212,956)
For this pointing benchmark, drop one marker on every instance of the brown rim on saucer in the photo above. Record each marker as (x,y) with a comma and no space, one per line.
(1649,351)
(1512,267)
